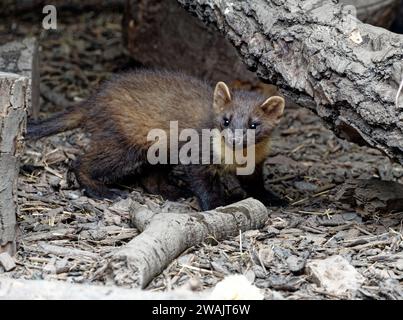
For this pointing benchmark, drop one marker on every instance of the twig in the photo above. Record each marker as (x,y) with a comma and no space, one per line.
(167,235)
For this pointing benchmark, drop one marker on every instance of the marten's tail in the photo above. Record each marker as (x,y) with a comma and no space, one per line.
(70,119)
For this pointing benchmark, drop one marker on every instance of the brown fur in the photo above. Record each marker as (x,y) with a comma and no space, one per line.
(126,108)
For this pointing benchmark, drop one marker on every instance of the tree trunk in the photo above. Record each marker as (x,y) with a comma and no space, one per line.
(21,57)
(321,57)
(13,107)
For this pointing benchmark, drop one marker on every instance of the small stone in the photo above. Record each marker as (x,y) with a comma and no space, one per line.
(295,264)
(122,205)
(50,266)
(117,220)
(219,267)
(7,262)
(399,264)
(250,275)
(259,272)
(271,232)
(282,253)
(305,186)
(194,284)
(266,255)
(62,266)
(350,216)
(335,275)
(251,234)
(54,181)
(97,234)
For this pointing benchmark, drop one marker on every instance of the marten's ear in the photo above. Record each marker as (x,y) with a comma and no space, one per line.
(274,107)
(222,96)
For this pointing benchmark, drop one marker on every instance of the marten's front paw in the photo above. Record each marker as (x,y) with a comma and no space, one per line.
(273,200)
(236,195)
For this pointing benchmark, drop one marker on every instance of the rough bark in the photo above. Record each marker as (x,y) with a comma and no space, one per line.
(13,107)
(346,71)
(21,57)
(167,235)
(162,34)
(17,289)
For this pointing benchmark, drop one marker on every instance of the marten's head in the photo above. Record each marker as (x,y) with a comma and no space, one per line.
(245,110)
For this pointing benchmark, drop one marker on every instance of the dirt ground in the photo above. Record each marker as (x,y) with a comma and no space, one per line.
(67,236)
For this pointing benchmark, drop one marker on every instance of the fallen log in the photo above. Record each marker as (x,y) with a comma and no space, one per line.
(322,58)
(166,235)
(13,108)
(18,289)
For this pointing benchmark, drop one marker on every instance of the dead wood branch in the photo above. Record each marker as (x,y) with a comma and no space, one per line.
(167,235)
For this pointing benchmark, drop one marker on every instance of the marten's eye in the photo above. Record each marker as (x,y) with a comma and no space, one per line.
(253,125)
(225,122)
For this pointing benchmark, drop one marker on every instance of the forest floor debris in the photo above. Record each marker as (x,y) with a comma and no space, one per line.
(67,236)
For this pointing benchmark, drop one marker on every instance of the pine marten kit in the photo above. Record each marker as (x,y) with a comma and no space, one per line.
(122,113)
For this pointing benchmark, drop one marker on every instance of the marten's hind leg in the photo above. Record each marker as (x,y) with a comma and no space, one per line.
(102,165)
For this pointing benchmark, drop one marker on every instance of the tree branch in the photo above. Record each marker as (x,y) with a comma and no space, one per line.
(167,235)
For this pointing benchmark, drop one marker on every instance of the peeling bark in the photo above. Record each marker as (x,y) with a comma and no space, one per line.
(322,58)
(21,57)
